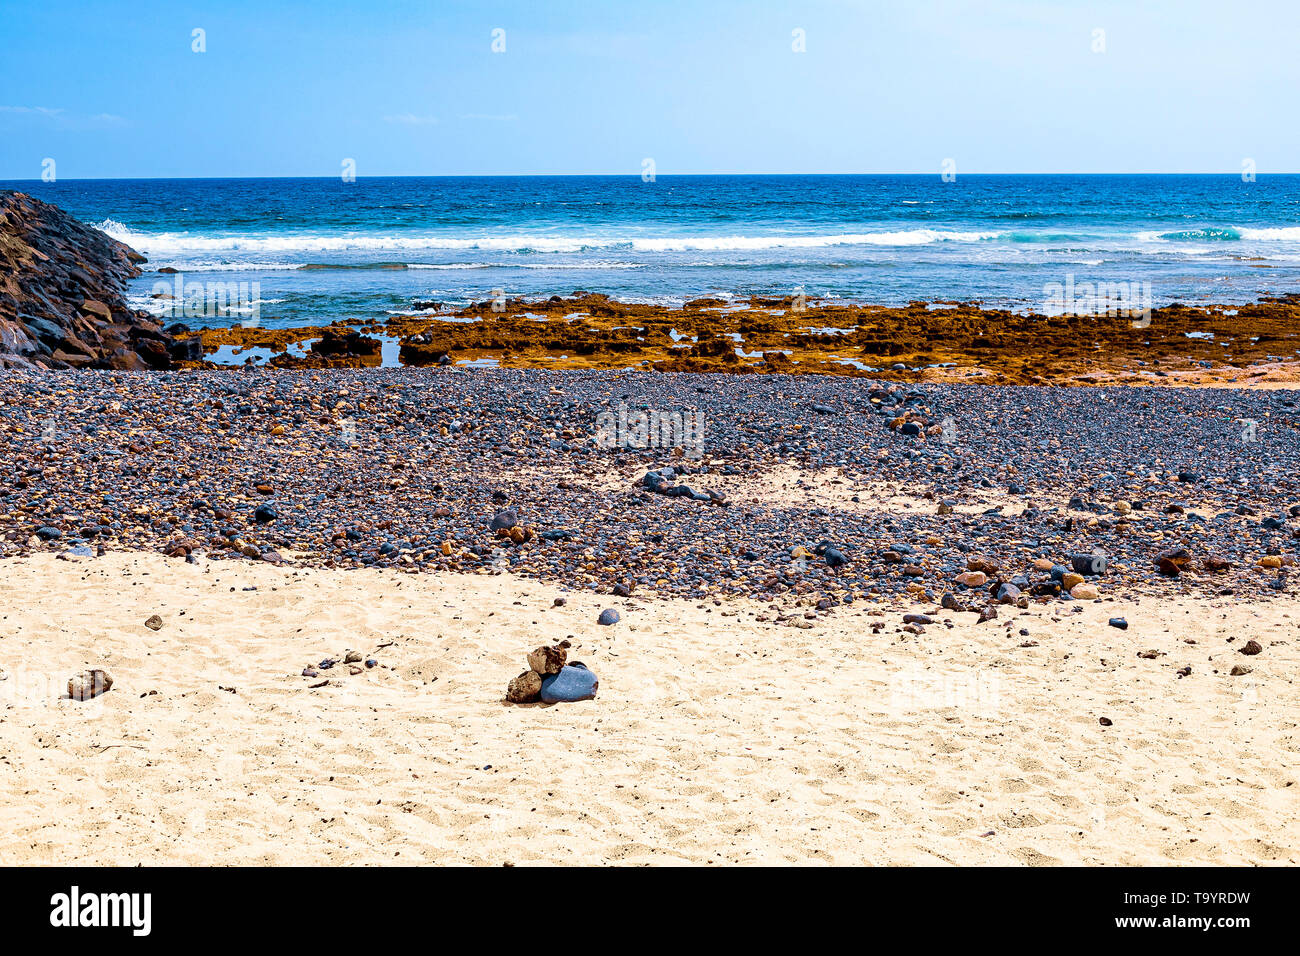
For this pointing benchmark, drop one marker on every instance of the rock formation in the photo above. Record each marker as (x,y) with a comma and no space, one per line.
(62,296)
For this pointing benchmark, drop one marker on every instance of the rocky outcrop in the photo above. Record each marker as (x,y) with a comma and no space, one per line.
(62,295)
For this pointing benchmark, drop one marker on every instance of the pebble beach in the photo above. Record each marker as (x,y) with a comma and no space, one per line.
(884,622)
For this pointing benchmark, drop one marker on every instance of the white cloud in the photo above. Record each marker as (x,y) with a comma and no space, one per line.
(40,110)
(62,119)
(410,119)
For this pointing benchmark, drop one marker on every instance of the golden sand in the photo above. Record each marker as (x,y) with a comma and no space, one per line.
(715,738)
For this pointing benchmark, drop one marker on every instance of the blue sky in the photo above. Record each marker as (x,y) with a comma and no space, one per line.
(110,89)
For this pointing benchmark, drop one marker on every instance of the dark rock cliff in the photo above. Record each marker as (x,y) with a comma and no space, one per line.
(62,295)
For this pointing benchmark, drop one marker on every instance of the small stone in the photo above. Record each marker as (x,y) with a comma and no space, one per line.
(608,616)
(547,660)
(1251,648)
(559,602)
(1119,622)
(503,521)
(1171,563)
(972,579)
(89,684)
(1105,721)
(917,619)
(1070,580)
(1084,592)
(351,657)
(1270,561)
(310,672)
(1090,564)
(154,623)
(525,688)
(264,514)
(1241,670)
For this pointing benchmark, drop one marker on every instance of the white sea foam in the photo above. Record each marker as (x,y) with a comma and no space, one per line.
(1291,233)
(171,243)
(183,266)
(1222,233)
(456,266)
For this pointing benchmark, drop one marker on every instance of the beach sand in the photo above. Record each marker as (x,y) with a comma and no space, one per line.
(715,738)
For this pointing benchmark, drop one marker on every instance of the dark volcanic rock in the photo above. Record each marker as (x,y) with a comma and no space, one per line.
(62,295)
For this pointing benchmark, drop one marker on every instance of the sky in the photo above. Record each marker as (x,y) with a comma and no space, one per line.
(117,90)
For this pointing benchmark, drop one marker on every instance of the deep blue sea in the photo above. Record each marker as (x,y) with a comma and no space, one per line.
(322,249)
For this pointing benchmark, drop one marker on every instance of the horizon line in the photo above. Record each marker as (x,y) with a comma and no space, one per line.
(634,175)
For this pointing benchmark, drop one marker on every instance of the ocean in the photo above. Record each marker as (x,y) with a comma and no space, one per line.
(324,249)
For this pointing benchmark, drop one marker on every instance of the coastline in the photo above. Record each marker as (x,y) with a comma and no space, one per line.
(932,610)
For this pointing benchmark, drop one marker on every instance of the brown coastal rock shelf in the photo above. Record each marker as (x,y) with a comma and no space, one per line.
(62,296)
(1212,344)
